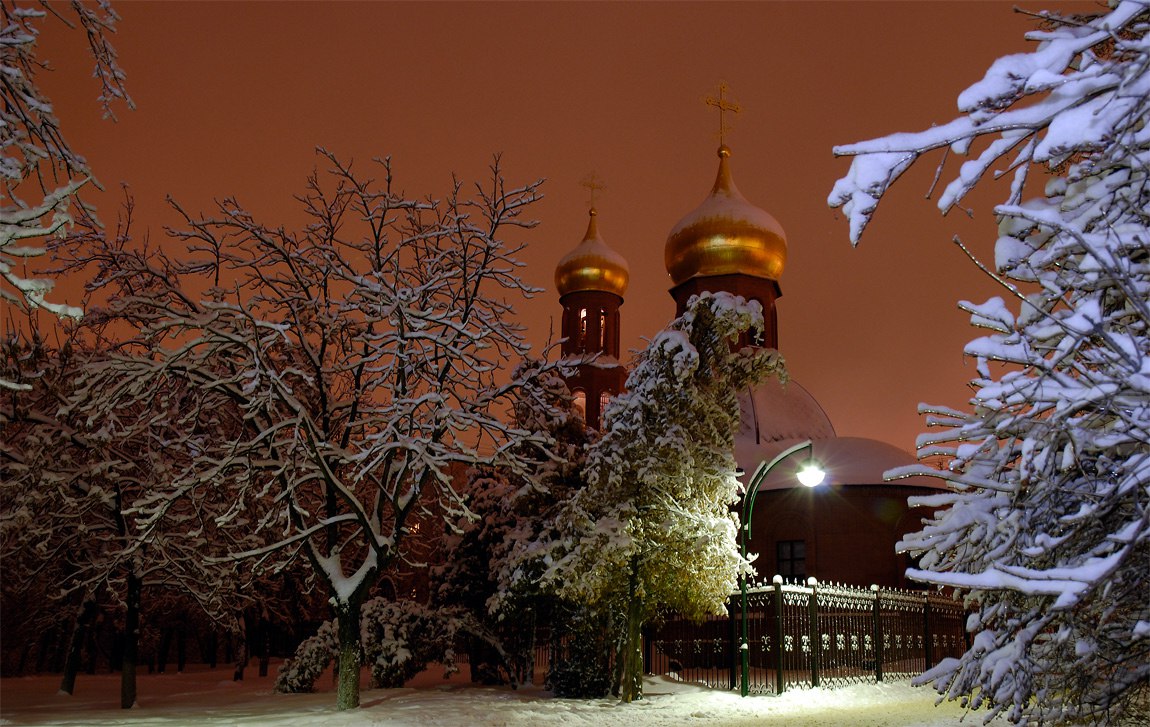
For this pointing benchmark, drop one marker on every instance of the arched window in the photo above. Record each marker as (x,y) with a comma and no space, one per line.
(602,329)
(603,399)
(582,327)
(581,402)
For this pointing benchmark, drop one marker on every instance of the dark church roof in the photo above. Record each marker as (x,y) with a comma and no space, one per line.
(774,411)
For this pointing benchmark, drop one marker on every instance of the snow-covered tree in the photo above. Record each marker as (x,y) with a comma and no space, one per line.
(492,560)
(366,352)
(653,529)
(70,480)
(1046,525)
(582,637)
(33,564)
(42,174)
(466,578)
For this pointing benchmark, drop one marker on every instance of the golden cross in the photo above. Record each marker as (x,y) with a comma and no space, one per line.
(592,183)
(723,105)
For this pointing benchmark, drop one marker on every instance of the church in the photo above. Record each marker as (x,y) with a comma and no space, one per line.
(842,531)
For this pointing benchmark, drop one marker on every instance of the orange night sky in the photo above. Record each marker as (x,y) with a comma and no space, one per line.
(233,98)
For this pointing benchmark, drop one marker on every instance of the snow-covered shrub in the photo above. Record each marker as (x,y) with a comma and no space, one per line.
(582,654)
(299,673)
(401,638)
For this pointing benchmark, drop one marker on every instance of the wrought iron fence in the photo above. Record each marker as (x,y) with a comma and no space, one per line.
(801,636)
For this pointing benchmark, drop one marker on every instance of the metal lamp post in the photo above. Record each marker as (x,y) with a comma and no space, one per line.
(810,476)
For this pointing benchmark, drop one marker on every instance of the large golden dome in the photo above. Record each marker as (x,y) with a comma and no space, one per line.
(592,266)
(725,235)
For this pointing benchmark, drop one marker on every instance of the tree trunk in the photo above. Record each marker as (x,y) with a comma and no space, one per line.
(347,618)
(527,649)
(93,651)
(631,683)
(164,648)
(212,647)
(242,651)
(181,650)
(43,657)
(76,647)
(263,645)
(131,642)
(24,654)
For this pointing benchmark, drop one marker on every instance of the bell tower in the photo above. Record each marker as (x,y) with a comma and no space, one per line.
(591,280)
(728,244)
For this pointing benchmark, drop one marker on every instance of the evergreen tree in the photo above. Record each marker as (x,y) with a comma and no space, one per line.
(653,529)
(1046,525)
(492,558)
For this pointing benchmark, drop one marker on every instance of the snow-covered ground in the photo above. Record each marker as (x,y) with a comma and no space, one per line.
(202,697)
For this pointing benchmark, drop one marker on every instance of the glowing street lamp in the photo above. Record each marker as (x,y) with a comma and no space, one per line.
(810,475)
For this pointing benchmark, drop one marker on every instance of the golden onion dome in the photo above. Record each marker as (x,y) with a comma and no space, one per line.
(592,265)
(725,235)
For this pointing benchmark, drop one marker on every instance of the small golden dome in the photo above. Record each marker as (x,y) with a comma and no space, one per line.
(592,265)
(726,234)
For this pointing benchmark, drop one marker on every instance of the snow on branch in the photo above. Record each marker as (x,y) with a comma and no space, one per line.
(35,156)
(1075,100)
(361,358)
(1046,527)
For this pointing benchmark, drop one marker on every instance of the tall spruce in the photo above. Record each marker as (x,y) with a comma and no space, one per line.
(653,529)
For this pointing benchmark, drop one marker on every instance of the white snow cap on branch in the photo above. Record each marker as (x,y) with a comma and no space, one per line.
(35,154)
(1088,102)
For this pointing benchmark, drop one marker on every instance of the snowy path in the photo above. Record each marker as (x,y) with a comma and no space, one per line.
(208,698)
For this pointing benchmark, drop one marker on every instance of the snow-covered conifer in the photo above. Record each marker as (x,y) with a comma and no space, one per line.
(653,528)
(1046,527)
(493,562)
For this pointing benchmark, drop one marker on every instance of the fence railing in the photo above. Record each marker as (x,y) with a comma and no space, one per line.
(812,635)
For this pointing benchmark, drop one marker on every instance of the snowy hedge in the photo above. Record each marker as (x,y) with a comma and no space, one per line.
(399,640)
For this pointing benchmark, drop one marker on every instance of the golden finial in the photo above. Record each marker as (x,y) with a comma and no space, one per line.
(723,105)
(593,184)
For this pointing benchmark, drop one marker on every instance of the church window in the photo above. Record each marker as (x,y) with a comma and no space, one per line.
(603,399)
(582,327)
(791,559)
(602,329)
(581,402)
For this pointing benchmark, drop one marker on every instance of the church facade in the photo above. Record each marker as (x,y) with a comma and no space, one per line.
(842,531)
